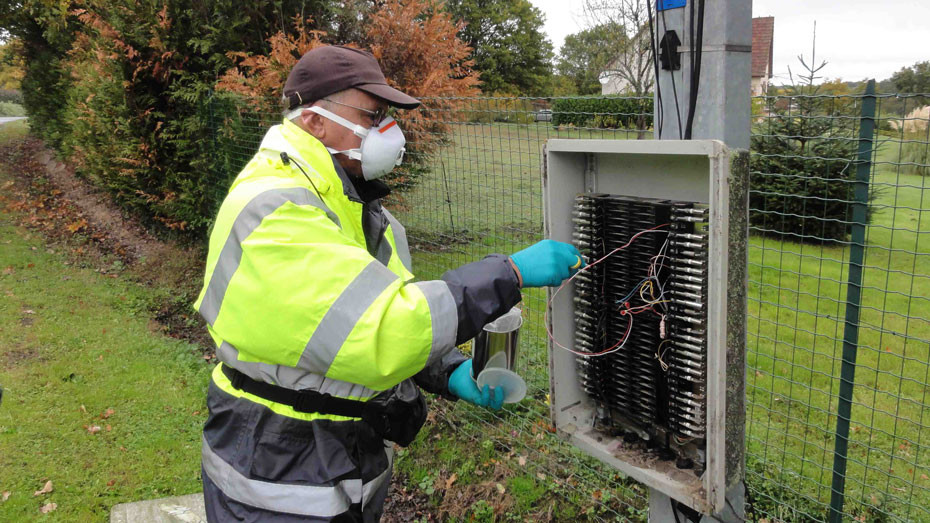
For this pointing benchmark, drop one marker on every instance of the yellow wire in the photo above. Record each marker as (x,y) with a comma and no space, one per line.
(659,355)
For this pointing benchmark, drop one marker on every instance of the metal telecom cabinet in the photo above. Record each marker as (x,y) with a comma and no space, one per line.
(680,435)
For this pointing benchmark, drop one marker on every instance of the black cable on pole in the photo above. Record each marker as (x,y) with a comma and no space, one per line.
(668,50)
(696,45)
(674,509)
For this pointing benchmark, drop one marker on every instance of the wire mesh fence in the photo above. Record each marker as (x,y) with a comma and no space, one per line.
(472,186)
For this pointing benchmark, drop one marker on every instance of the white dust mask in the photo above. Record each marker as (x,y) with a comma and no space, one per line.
(382,147)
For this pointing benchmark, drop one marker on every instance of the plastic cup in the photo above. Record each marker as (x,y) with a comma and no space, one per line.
(513,384)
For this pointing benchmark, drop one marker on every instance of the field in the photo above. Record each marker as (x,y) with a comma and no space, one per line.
(483,195)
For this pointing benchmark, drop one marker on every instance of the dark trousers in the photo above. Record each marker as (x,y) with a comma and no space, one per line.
(262,466)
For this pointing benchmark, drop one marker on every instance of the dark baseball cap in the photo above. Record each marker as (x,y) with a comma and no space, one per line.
(325,70)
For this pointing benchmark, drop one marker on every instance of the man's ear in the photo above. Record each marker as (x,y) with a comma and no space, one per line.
(313,123)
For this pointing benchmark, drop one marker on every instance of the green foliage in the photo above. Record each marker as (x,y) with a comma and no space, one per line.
(802,168)
(612,112)
(481,511)
(510,49)
(561,85)
(11,109)
(12,66)
(586,54)
(913,79)
(501,109)
(122,87)
(44,33)
(915,154)
(11,96)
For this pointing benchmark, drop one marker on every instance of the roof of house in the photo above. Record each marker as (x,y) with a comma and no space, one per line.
(763,32)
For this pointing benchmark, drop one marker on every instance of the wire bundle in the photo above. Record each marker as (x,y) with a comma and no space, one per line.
(619,302)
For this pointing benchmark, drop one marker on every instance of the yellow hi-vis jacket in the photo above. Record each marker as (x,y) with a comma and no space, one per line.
(309,285)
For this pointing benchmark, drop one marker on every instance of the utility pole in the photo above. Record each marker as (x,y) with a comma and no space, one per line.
(722,97)
(703,73)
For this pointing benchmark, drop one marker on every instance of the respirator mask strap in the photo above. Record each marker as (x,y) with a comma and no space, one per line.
(359,131)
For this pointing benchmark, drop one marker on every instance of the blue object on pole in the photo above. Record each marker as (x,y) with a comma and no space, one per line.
(662,5)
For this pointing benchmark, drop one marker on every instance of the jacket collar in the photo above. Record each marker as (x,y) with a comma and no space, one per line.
(299,144)
(360,189)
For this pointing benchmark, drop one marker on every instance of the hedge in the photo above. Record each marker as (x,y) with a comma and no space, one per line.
(14,96)
(603,112)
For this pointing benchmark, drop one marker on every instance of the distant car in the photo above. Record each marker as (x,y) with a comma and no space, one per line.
(543,115)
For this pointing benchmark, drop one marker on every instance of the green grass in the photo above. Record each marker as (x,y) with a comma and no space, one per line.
(13,130)
(73,344)
(11,109)
(797,306)
(489,200)
(482,197)
(489,175)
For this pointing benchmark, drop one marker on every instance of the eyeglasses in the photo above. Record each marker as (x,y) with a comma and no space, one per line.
(375,116)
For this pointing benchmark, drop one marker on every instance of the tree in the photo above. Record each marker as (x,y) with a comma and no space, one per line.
(12,66)
(914,79)
(631,55)
(415,43)
(45,32)
(803,159)
(586,54)
(510,51)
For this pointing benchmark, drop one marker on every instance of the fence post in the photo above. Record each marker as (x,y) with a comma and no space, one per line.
(853,299)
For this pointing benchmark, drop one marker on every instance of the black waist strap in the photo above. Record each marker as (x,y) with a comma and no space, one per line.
(300,400)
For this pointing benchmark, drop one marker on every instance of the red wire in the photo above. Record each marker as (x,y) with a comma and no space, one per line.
(586,267)
(626,334)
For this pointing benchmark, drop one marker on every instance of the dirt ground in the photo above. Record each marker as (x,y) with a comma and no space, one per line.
(83,222)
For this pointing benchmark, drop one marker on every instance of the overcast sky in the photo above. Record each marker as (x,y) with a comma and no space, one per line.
(859,38)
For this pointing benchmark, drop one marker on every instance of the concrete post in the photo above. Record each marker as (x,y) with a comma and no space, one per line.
(722,111)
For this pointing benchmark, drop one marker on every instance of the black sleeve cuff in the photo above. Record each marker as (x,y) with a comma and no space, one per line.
(435,378)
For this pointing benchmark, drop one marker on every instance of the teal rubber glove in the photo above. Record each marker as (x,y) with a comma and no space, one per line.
(461,384)
(547,263)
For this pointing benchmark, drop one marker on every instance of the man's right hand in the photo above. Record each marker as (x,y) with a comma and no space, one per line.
(546,263)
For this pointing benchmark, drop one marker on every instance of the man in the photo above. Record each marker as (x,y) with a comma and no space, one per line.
(322,335)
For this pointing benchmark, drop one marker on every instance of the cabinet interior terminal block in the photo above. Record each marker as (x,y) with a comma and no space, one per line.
(647,353)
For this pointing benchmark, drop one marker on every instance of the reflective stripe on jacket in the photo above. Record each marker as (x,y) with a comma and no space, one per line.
(262,467)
